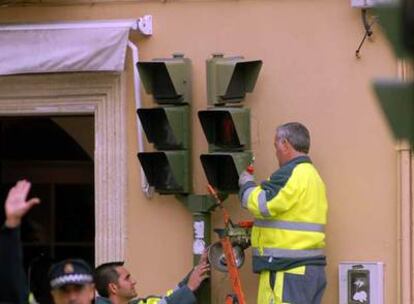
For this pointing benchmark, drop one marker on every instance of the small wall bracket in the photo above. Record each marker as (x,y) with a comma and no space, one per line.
(368,29)
(144,25)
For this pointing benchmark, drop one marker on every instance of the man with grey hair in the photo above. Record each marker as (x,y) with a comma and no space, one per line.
(290,210)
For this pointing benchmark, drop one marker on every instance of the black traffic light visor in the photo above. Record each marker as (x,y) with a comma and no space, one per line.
(160,173)
(157,81)
(166,127)
(408,24)
(397,102)
(221,172)
(222,169)
(394,22)
(243,79)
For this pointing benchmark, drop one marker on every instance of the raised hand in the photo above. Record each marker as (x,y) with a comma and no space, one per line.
(199,273)
(204,258)
(245,176)
(16,205)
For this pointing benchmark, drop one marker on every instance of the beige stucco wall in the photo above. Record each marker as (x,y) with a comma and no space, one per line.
(310,75)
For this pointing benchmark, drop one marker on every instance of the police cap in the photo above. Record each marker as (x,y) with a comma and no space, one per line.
(71,271)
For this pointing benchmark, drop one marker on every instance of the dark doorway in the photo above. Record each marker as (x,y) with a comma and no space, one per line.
(56,155)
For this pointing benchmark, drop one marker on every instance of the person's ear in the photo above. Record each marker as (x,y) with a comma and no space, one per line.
(53,293)
(112,288)
(92,291)
(287,147)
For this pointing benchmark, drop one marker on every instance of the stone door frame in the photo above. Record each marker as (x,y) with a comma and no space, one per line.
(101,95)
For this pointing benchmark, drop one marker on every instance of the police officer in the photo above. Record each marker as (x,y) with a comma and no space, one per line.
(290,210)
(71,282)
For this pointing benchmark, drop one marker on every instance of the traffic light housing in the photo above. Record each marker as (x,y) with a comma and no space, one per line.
(408,24)
(167,126)
(228,134)
(226,124)
(226,128)
(397,101)
(396,24)
(396,97)
(230,78)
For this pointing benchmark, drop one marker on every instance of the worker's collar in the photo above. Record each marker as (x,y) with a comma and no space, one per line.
(102,300)
(298,160)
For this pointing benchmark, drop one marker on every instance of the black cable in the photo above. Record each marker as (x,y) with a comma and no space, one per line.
(368,30)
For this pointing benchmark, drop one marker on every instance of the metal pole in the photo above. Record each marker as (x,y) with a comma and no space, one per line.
(202,239)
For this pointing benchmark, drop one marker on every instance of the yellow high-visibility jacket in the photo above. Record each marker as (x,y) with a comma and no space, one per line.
(152,300)
(290,211)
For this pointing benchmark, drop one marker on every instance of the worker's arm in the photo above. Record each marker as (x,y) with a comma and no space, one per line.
(272,196)
(184,293)
(13,284)
(180,295)
(246,185)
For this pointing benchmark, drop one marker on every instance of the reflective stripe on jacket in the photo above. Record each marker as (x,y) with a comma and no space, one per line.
(290,212)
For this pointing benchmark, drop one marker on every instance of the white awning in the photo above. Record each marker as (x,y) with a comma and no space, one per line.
(64,47)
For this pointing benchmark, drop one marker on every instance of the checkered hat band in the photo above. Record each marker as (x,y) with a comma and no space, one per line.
(71,279)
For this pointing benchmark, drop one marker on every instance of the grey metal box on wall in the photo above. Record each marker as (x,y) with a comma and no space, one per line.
(361,282)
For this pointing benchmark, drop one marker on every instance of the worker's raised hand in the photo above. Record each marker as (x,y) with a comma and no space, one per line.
(16,205)
(245,177)
(204,258)
(199,273)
